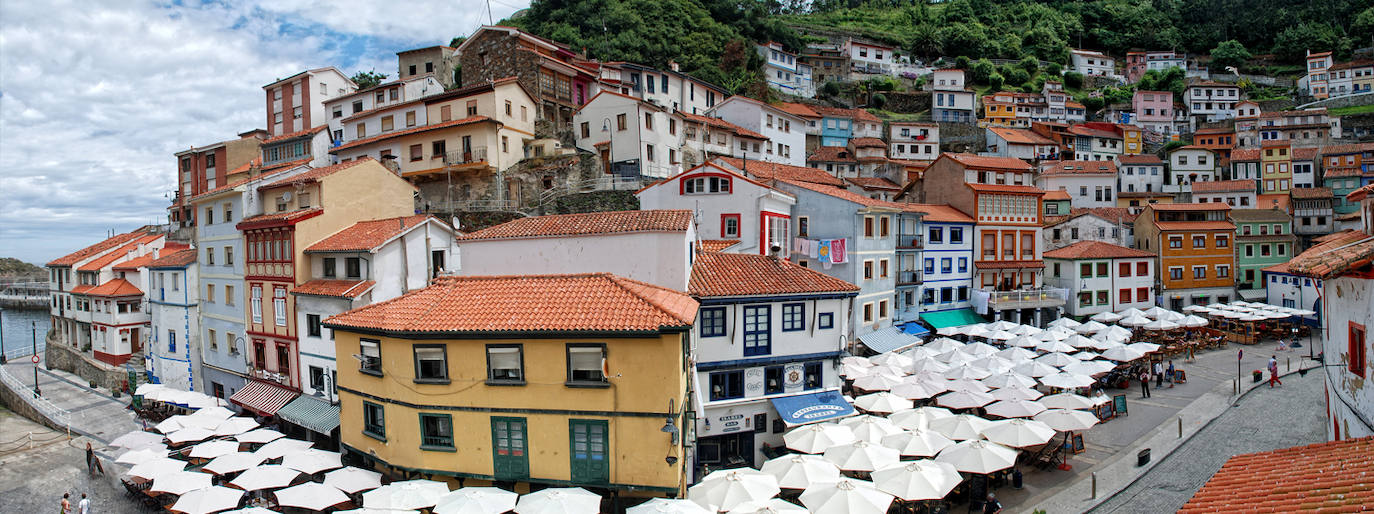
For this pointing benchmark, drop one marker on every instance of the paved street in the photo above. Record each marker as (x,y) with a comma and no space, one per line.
(1267,419)
(33,479)
(93,413)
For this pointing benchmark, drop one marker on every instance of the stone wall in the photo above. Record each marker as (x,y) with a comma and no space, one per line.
(1343,101)
(493,55)
(907,102)
(1279,104)
(15,401)
(962,137)
(71,360)
(594,201)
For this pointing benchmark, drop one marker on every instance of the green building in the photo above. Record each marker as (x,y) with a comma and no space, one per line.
(1264,237)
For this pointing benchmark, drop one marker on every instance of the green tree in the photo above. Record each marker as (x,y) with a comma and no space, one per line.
(1363,27)
(1073,80)
(1093,103)
(878,101)
(1015,76)
(1293,43)
(1030,64)
(830,88)
(368,79)
(1054,69)
(995,81)
(981,70)
(1229,53)
(962,62)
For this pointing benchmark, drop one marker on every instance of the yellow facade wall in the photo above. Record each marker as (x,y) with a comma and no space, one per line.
(645,373)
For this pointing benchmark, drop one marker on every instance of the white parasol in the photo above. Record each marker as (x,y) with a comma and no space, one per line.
(854,360)
(943,344)
(918,480)
(653,506)
(846,496)
(269,476)
(494,500)
(207,500)
(960,427)
(1155,312)
(1016,393)
(1067,381)
(137,439)
(141,455)
(917,443)
(978,456)
(212,449)
(1078,341)
(261,435)
(1171,316)
(233,462)
(1007,379)
(876,382)
(1015,408)
(1131,312)
(281,447)
(1056,359)
(1160,324)
(861,456)
(769,506)
(964,399)
(1065,420)
(1134,320)
(1035,369)
(1002,324)
(891,359)
(883,402)
(560,500)
(1025,341)
(312,461)
(1194,308)
(870,428)
(1085,355)
(1083,368)
(967,371)
(1026,330)
(797,471)
(966,385)
(1001,335)
(1055,346)
(352,480)
(1106,317)
(235,426)
(993,364)
(153,468)
(311,495)
(180,482)
(189,434)
(931,365)
(817,437)
(422,494)
(918,418)
(726,488)
(1065,322)
(918,389)
(1143,347)
(1122,354)
(1067,401)
(1017,354)
(1019,433)
(1091,327)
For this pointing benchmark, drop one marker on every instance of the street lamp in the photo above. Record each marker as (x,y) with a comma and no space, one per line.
(33,326)
(610,145)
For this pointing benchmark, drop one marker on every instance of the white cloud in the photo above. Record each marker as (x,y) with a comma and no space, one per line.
(95,97)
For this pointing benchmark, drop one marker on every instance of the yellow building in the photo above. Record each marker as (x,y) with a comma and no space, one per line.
(1276,168)
(1130,137)
(550,380)
(999,110)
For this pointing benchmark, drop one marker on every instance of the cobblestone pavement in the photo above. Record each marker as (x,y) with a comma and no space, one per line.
(1266,419)
(94,413)
(33,478)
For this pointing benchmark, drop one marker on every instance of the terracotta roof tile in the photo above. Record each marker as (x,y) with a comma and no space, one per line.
(798,109)
(135,263)
(288,217)
(716,245)
(1009,264)
(1080,168)
(335,288)
(1079,130)
(74,257)
(836,192)
(1224,186)
(938,213)
(831,154)
(1335,476)
(613,222)
(316,174)
(722,124)
(81,289)
(599,302)
(1111,213)
(869,183)
(986,162)
(1347,148)
(737,274)
(854,114)
(1361,193)
(1001,188)
(178,259)
(867,142)
(1214,130)
(1017,136)
(299,133)
(104,260)
(367,235)
(1245,154)
(1190,206)
(1311,193)
(1342,171)
(235,184)
(1057,195)
(774,171)
(1195,225)
(1249,215)
(1095,250)
(406,132)
(1344,251)
(116,287)
(283,166)
(1278,268)
(1140,159)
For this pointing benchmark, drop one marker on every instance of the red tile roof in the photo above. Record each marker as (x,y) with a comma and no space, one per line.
(1080,168)
(1245,154)
(599,302)
(178,259)
(237,183)
(1008,264)
(406,132)
(1306,154)
(1347,149)
(135,263)
(116,287)
(1000,188)
(1057,195)
(938,213)
(289,217)
(1360,194)
(836,192)
(867,142)
(798,109)
(1111,213)
(1342,171)
(831,154)
(1190,206)
(1335,476)
(986,162)
(283,166)
(836,112)
(367,235)
(120,253)
(1020,136)
(1344,251)
(1140,159)
(1224,186)
(1195,225)
(1311,193)
(315,174)
(869,183)
(716,245)
(335,288)
(738,274)
(74,257)
(1095,250)
(299,133)
(722,124)
(1080,130)
(1214,130)
(774,171)
(591,223)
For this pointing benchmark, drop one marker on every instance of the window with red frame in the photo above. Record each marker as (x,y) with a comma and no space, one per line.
(729,226)
(1357,349)
(1124,270)
(1125,296)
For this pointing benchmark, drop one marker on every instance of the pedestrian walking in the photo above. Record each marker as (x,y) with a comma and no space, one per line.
(1144,384)
(1192,352)
(1159,375)
(1170,372)
(93,462)
(66,503)
(84,506)
(1274,371)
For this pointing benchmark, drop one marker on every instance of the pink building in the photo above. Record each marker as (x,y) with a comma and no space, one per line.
(1154,110)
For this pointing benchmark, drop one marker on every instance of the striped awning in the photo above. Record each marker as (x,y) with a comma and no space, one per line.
(312,413)
(263,398)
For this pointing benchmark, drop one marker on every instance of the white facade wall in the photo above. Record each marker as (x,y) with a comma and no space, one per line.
(746,202)
(952,241)
(1188,165)
(1088,227)
(1086,190)
(1212,102)
(664,136)
(786,133)
(340,108)
(1236,199)
(1349,302)
(173,354)
(1287,290)
(870,58)
(1140,178)
(914,141)
(659,258)
(1066,273)
(1092,63)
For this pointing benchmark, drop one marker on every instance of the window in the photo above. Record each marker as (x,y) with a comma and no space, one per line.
(1223,241)
(1356,347)
(825,320)
(417,152)
(884,226)
(793,317)
(228,295)
(210,293)
(279,305)
(705,185)
(727,385)
(353,267)
(1199,241)
(316,378)
(371,351)
(712,322)
(812,375)
(328,266)
(620,122)
(410,119)
(648,121)
(256,304)
(585,363)
(171,341)
(868,226)
(1224,271)
(312,324)
(935,235)
(1199,271)
(1103,269)
(1176,273)
(868,270)
(1124,296)
(772,380)
(729,226)
(757,333)
(803,226)
(213,339)
(374,421)
(1085,270)
(882,268)
(1175,242)
(431,363)
(228,255)
(436,432)
(1103,298)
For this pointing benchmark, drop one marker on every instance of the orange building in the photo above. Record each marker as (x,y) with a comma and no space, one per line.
(1197,261)
(1220,140)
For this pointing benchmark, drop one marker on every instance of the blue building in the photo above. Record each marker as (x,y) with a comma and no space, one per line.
(946,259)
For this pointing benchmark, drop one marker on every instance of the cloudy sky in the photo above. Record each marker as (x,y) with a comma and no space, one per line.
(95,97)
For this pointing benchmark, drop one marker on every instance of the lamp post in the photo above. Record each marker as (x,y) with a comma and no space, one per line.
(610,145)
(33,326)
(3,359)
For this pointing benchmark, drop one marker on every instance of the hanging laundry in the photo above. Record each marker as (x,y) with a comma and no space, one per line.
(823,252)
(837,251)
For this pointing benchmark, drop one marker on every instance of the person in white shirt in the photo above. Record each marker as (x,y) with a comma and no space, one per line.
(84,507)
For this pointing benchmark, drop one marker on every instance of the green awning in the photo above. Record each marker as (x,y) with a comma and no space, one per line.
(311,413)
(954,318)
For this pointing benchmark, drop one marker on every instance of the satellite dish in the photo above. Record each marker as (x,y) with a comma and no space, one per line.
(286,196)
(457,224)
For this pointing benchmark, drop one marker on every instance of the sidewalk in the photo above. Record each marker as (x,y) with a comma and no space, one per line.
(90,412)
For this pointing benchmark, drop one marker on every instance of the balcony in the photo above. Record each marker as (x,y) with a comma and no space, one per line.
(474,156)
(1026,299)
(910,278)
(907,242)
(269,375)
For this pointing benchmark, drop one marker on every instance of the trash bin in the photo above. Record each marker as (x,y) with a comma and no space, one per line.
(1143,457)
(1259,375)
(1016,480)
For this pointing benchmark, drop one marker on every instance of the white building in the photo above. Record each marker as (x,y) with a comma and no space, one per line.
(705,137)
(1286,289)
(786,132)
(951,100)
(768,339)
(1096,144)
(913,140)
(1190,164)
(368,262)
(648,246)
(1115,225)
(725,205)
(643,136)
(1139,173)
(390,106)
(1092,62)
(1089,183)
(296,103)
(1020,143)
(1239,193)
(668,88)
(869,58)
(1102,277)
(96,308)
(783,72)
(1211,101)
(946,268)
(173,358)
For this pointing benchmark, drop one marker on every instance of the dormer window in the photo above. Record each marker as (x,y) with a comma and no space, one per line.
(706,185)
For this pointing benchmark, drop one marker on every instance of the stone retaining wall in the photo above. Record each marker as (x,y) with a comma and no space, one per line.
(71,360)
